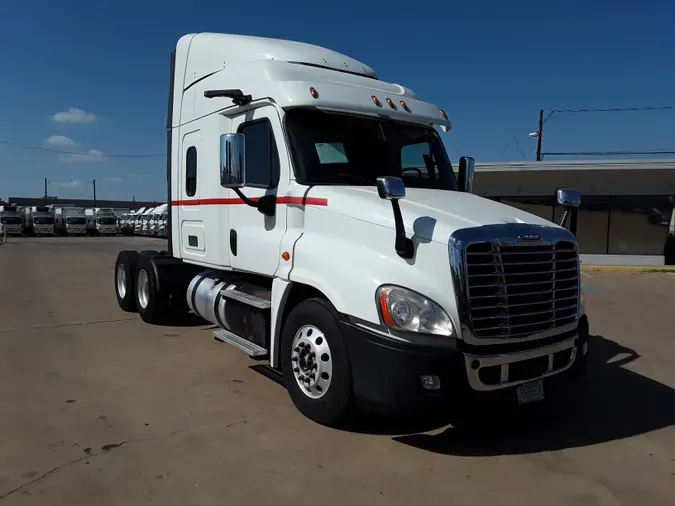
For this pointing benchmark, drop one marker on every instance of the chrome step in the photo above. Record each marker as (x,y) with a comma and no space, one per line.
(252,349)
(246,298)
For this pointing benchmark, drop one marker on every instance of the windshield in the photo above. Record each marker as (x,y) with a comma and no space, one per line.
(331,148)
(75,221)
(43,220)
(108,221)
(10,220)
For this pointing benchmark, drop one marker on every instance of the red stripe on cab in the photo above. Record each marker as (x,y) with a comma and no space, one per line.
(298,201)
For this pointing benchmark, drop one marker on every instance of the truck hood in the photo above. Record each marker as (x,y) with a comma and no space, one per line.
(432,215)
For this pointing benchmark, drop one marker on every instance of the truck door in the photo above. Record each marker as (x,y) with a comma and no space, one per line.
(255,239)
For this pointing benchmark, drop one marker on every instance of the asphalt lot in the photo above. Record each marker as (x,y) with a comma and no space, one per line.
(97,407)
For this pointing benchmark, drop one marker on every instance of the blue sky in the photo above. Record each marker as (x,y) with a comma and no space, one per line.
(491,64)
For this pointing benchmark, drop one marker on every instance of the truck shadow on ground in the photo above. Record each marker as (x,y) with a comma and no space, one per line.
(616,404)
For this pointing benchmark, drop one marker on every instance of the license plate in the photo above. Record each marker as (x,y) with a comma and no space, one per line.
(530,392)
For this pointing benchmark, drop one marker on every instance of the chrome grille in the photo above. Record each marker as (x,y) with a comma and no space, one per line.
(517,290)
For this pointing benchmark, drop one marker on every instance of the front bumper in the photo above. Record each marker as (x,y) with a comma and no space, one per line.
(386,373)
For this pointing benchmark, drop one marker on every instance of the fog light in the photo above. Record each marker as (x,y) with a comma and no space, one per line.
(430,382)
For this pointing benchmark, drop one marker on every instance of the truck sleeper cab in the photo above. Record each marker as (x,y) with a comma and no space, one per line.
(315,218)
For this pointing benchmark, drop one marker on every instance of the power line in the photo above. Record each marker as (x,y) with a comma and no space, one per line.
(612,109)
(620,109)
(610,153)
(83,153)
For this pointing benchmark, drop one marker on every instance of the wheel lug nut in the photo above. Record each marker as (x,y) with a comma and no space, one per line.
(312,376)
(302,377)
(312,355)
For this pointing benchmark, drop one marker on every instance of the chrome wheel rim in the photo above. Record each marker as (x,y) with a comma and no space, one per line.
(121,277)
(143,288)
(312,361)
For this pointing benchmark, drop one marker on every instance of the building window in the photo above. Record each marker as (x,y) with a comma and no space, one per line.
(592,225)
(639,225)
(539,206)
(262,157)
(191,171)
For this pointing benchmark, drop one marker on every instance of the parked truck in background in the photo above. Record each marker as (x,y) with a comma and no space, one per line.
(101,221)
(316,220)
(38,220)
(70,221)
(154,222)
(11,220)
(140,227)
(161,228)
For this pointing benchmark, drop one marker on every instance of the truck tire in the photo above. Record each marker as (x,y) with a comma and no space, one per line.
(313,352)
(152,304)
(125,280)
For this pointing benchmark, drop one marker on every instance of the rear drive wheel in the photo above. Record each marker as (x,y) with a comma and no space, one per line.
(315,363)
(152,304)
(125,276)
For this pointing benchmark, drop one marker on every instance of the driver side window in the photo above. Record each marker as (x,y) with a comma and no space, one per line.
(417,161)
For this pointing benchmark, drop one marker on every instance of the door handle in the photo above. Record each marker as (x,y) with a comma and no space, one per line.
(233,241)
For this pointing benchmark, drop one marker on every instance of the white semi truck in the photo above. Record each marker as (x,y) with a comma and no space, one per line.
(315,218)
(11,221)
(39,220)
(101,221)
(70,220)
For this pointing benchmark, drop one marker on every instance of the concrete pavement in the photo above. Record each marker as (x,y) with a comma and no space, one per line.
(97,407)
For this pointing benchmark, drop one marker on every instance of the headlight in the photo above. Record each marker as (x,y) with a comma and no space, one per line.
(403,309)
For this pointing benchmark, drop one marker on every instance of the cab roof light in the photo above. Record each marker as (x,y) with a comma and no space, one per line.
(376,101)
(405,106)
(390,103)
(313,92)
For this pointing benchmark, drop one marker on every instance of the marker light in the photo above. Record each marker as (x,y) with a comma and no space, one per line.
(314,93)
(404,105)
(390,103)
(376,101)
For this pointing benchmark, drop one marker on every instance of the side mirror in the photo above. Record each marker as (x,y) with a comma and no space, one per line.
(571,200)
(393,189)
(568,197)
(467,166)
(390,188)
(232,161)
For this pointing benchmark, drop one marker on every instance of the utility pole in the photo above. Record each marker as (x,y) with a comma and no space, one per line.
(45,191)
(540,133)
(94,183)
(133,202)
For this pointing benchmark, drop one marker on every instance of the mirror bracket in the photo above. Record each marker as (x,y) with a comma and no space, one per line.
(393,189)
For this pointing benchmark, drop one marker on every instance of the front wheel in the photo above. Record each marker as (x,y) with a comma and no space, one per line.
(315,363)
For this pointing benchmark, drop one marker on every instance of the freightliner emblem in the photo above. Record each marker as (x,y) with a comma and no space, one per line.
(529,238)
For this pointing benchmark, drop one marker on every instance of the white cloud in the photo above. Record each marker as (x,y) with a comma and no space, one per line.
(74,115)
(67,184)
(91,156)
(59,142)
(112,180)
